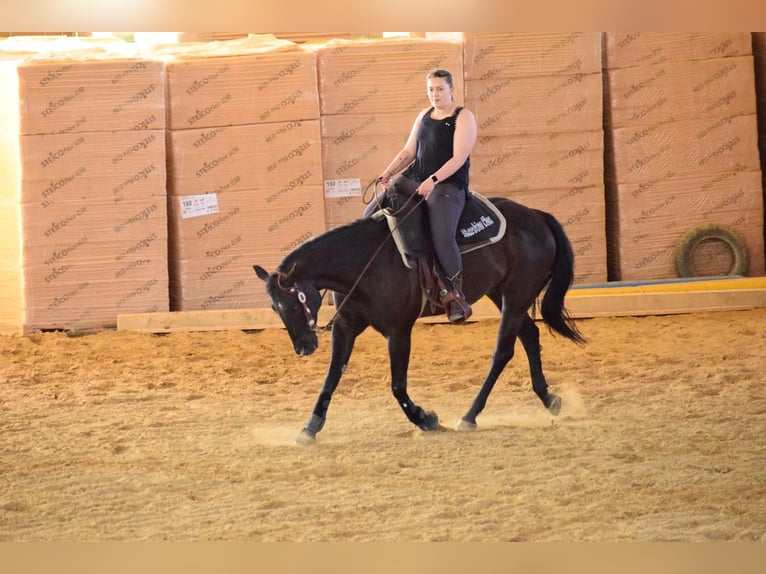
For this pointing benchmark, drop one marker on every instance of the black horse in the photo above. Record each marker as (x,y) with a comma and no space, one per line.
(371,286)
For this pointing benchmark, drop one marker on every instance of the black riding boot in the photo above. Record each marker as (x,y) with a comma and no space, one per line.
(458,309)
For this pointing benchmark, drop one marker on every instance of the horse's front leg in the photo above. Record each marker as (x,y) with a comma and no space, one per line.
(399,357)
(343,337)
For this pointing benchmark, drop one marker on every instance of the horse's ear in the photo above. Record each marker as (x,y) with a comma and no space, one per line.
(261,272)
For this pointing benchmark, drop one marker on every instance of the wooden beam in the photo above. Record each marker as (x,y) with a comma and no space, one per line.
(596,301)
(633,304)
(215,320)
(670,285)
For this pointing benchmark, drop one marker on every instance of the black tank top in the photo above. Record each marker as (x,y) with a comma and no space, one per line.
(435,147)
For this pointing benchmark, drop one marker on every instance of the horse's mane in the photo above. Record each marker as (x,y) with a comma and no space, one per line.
(348,234)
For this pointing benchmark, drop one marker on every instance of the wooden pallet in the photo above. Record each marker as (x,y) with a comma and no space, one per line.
(618,299)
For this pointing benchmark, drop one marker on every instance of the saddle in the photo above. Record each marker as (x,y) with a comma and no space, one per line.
(480,224)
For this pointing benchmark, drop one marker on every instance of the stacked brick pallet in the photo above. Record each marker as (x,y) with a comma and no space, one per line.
(537,99)
(682,148)
(267,144)
(370,93)
(244,166)
(83,223)
(759,55)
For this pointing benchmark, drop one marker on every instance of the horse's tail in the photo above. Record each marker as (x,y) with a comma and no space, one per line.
(552,307)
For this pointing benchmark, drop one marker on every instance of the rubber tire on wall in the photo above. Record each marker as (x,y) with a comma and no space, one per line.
(689,242)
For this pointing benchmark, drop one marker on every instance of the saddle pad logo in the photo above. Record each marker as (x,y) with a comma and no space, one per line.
(475,227)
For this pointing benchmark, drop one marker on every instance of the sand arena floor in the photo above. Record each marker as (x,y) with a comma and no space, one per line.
(189,436)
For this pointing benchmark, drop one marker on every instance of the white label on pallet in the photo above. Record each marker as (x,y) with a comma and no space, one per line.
(196,205)
(342,187)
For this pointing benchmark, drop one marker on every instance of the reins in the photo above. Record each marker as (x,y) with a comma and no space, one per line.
(396,213)
(377,251)
(312,322)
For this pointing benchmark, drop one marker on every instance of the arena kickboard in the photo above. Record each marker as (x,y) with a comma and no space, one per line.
(605,300)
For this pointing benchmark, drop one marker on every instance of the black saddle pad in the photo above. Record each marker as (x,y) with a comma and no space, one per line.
(481,224)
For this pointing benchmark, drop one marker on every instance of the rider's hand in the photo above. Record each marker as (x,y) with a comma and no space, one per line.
(384,179)
(426,188)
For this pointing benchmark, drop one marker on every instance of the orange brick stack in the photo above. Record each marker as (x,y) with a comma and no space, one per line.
(759,55)
(682,147)
(82,187)
(370,93)
(244,166)
(538,105)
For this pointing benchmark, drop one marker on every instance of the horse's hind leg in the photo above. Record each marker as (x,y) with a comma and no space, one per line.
(530,338)
(504,349)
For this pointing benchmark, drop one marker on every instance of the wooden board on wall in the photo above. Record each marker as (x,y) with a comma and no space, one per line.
(607,300)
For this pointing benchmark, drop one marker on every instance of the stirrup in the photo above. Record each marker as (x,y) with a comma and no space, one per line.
(459,311)
(457,307)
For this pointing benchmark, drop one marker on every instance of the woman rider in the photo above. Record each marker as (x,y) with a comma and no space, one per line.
(440,143)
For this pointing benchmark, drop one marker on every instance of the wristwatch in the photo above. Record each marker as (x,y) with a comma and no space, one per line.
(434,178)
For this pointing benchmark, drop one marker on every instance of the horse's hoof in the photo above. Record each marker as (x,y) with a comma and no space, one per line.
(554,407)
(465,426)
(430,422)
(305,438)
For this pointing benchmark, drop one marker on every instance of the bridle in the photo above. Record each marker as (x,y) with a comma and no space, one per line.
(310,319)
(312,323)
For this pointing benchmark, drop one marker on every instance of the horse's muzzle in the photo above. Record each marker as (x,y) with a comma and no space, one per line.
(306,346)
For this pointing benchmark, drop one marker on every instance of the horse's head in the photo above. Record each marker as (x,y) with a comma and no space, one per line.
(297,304)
